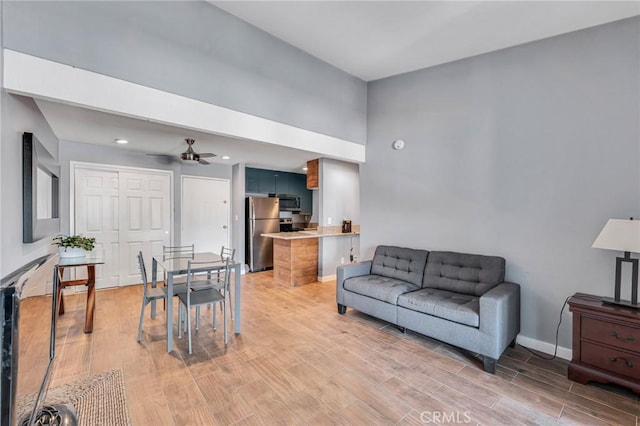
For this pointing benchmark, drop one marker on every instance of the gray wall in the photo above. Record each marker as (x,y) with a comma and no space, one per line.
(19,115)
(523,153)
(338,199)
(193,49)
(89,153)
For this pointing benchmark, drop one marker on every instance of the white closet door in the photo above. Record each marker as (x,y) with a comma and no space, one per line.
(96,215)
(126,210)
(145,217)
(205,213)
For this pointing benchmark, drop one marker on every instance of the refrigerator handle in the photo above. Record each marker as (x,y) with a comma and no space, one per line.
(251,230)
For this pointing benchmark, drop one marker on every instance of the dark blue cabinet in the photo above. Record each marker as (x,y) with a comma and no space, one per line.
(282,182)
(306,200)
(262,181)
(267,181)
(252,179)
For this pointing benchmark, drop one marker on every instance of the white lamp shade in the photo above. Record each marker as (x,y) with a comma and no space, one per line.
(620,235)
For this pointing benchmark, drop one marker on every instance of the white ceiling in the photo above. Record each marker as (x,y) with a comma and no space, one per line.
(377,39)
(369,39)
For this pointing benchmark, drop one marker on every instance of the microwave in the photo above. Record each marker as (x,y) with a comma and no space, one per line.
(289,202)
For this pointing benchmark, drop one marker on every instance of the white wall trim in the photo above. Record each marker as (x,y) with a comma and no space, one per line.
(548,348)
(40,78)
(325,278)
(113,167)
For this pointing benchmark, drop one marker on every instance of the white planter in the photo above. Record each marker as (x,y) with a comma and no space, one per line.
(66,252)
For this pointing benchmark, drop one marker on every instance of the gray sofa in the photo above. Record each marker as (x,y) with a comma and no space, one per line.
(461,299)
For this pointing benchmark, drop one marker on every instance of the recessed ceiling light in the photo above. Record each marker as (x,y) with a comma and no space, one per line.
(305,169)
(225,157)
(122,141)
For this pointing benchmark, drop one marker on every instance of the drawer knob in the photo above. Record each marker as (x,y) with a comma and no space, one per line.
(624,339)
(626,361)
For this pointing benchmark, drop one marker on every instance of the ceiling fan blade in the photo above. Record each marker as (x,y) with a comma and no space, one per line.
(207,154)
(201,161)
(160,155)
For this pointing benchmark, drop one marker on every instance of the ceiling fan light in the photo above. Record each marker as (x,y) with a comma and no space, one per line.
(191,156)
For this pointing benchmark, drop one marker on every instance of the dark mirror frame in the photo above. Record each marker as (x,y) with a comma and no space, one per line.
(35,155)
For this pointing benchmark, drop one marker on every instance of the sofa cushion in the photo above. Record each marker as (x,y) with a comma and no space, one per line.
(456,307)
(379,287)
(400,263)
(470,274)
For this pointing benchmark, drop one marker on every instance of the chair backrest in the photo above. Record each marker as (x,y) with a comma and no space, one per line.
(227,253)
(178,252)
(196,269)
(143,271)
(225,274)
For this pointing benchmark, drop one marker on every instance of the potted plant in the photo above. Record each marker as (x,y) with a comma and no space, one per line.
(74,245)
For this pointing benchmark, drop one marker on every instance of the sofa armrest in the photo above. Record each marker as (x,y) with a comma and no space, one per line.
(348,271)
(352,270)
(500,315)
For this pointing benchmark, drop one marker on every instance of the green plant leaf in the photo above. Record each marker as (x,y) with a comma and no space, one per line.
(86,243)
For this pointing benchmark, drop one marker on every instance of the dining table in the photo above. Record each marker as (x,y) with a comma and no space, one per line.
(179,266)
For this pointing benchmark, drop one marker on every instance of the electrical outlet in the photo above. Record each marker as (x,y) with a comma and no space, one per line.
(342,260)
(328,221)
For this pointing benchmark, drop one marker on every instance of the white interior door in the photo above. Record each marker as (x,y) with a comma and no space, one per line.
(145,215)
(96,215)
(205,213)
(126,211)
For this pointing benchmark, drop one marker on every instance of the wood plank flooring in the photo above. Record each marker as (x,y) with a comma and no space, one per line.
(298,362)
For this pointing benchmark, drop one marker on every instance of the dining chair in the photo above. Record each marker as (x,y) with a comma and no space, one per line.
(178,252)
(209,292)
(149,293)
(227,253)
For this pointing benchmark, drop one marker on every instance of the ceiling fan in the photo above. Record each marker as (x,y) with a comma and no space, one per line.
(190,155)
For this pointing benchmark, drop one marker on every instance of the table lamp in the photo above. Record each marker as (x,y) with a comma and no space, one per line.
(622,235)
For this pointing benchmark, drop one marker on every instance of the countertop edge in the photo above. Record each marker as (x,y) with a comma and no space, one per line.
(305,235)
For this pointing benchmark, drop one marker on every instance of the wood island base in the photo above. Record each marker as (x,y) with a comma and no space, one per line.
(295,261)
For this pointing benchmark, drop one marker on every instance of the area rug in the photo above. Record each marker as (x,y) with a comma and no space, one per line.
(98,400)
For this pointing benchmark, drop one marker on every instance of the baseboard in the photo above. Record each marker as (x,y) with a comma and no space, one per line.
(326,278)
(547,348)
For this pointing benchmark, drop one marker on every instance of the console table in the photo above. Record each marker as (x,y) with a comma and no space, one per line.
(606,342)
(90,282)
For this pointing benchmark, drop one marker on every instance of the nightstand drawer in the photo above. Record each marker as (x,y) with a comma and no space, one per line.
(611,334)
(611,359)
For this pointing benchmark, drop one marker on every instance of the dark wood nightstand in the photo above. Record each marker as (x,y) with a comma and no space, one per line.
(606,342)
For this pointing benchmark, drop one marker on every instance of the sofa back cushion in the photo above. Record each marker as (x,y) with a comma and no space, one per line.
(400,263)
(463,273)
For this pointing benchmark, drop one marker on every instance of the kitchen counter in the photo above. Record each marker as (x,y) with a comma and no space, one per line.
(295,255)
(306,234)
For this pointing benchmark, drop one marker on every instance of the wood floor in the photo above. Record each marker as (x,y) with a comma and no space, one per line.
(298,362)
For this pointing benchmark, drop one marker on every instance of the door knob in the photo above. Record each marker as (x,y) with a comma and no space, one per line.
(224,226)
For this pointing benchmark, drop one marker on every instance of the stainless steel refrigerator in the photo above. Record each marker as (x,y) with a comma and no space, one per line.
(263,216)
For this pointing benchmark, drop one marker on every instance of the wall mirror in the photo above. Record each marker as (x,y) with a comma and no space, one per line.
(40,174)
